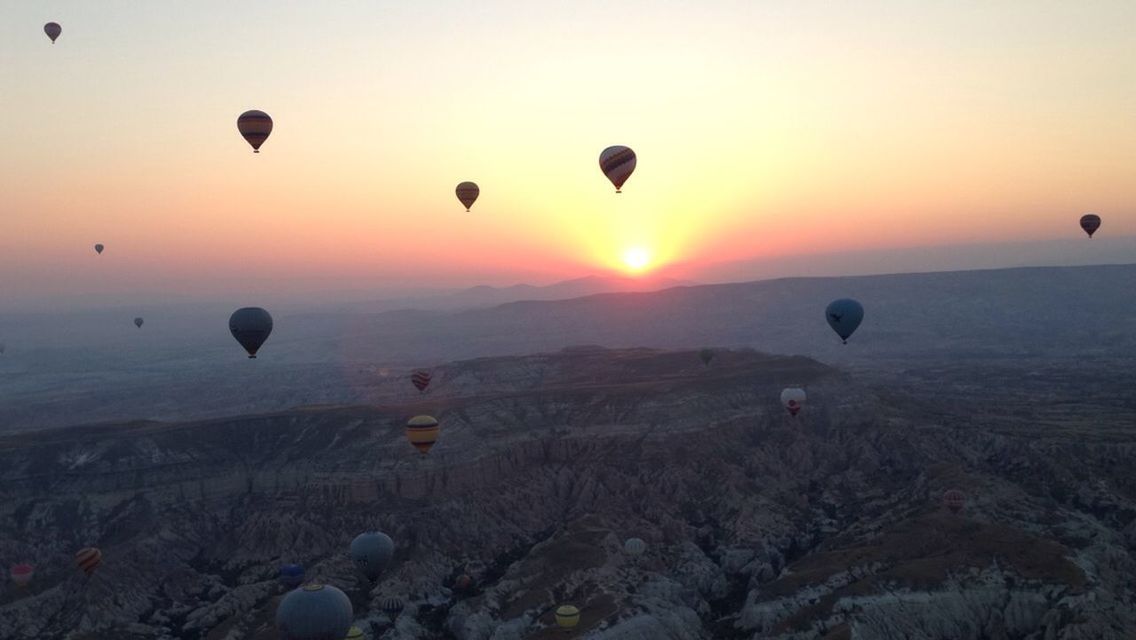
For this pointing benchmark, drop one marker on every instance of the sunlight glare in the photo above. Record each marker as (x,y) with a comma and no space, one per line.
(636,258)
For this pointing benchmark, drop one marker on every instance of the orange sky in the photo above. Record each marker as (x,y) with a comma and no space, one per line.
(762,129)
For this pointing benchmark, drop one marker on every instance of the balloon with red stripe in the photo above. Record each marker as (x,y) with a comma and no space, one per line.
(421,380)
(255,126)
(954,500)
(22,574)
(617,163)
(88,559)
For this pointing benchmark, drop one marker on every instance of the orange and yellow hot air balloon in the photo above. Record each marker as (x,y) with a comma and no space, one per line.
(422,432)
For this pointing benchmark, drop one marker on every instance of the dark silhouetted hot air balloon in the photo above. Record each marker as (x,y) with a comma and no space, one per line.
(291,575)
(464,582)
(634,547)
(250,326)
(314,612)
(617,163)
(467,194)
(22,574)
(255,126)
(420,380)
(372,552)
(793,399)
(567,616)
(99,249)
(88,559)
(2,347)
(138,322)
(954,500)
(706,355)
(52,29)
(422,432)
(392,605)
(354,633)
(844,315)
(1090,222)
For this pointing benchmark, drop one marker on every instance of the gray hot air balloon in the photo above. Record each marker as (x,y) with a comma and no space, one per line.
(617,163)
(1090,222)
(1,347)
(844,315)
(99,249)
(52,29)
(634,547)
(138,322)
(467,194)
(392,605)
(372,552)
(255,126)
(250,326)
(314,612)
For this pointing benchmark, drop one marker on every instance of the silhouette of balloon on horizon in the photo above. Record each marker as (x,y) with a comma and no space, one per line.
(52,29)
(1090,222)
(467,193)
(844,316)
(617,163)
(251,327)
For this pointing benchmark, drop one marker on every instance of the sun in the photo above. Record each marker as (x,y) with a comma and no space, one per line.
(636,259)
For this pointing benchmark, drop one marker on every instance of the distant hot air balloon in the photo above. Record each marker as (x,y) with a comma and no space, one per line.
(422,432)
(467,194)
(617,163)
(634,547)
(22,574)
(88,559)
(99,249)
(793,399)
(314,612)
(567,616)
(421,380)
(844,315)
(2,347)
(291,575)
(706,355)
(138,322)
(392,605)
(255,126)
(52,29)
(372,552)
(954,500)
(354,633)
(250,326)
(1090,222)
(463,582)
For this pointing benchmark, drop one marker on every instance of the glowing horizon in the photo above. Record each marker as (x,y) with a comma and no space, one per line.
(762,132)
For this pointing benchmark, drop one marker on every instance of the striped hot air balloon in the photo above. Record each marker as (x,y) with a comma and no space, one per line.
(421,380)
(99,249)
(634,547)
(22,574)
(422,432)
(392,605)
(88,559)
(467,193)
(954,500)
(255,126)
(617,163)
(567,616)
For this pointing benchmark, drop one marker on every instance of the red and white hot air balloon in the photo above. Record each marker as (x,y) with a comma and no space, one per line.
(793,399)
(421,380)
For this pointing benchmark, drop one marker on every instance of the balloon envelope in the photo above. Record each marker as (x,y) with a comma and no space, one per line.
(372,552)
(255,126)
(250,326)
(99,249)
(1090,222)
(954,500)
(634,547)
(88,559)
(467,194)
(617,163)
(844,315)
(138,322)
(354,633)
(314,612)
(420,380)
(706,355)
(22,573)
(392,604)
(52,29)
(422,432)
(793,399)
(291,575)
(567,616)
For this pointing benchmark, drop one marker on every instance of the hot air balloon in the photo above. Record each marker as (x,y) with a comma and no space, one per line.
(1090,222)
(392,605)
(372,552)
(52,29)
(355,633)
(793,399)
(255,126)
(634,547)
(463,582)
(422,432)
(138,322)
(567,616)
(291,575)
(421,380)
(617,163)
(954,500)
(88,559)
(844,315)
(250,326)
(22,574)
(2,347)
(706,355)
(467,194)
(314,612)
(99,249)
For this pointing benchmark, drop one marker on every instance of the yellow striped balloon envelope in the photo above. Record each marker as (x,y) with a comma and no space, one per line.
(567,616)
(355,634)
(88,559)
(422,432)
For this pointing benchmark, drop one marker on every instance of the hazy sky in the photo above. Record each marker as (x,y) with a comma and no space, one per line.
(765,130)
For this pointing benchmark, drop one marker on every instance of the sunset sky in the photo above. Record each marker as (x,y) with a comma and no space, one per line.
(765,130)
